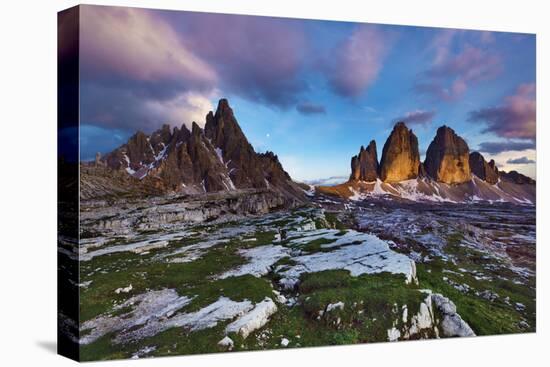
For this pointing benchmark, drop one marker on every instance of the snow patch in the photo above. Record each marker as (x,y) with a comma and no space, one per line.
(219,153)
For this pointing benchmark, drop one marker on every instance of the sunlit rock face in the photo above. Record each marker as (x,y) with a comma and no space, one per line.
(364,166)
(400,158)
(487,171)
(447,157)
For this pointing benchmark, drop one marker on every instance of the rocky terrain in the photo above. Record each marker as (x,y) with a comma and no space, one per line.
(284,279)
(450,173)
(191,242)
(332,272)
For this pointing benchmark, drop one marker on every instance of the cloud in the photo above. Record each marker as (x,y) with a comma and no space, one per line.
(309,108)
(137,74)
(521,160)
(356,62)
(460,60)
(120,108)
(142,68)
(515,161)
(185,108)
(417,117)
(259,58)
(505,146)
(515,118)
(134,47)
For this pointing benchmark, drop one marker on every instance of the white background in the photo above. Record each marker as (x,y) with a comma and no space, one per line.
(28,181)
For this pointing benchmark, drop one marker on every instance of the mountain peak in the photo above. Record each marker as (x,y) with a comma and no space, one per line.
(216,158)
(195,129)
(223,108)
(364,166)
(448,157)
(400,157)
(485,171)
(400,125)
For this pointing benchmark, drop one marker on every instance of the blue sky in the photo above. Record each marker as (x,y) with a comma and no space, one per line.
(311,91)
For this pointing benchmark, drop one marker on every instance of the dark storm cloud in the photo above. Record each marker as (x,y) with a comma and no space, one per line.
(121,108)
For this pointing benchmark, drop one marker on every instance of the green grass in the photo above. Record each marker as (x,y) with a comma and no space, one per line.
(369,300)
(178,340)
(333,221)
(324,280)
(483,316)
(367,315)
(144,273)
(262,238)
(195,279)
(315,245)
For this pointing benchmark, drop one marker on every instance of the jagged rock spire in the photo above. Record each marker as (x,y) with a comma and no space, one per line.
(364,166)
(400,158)
(447,157)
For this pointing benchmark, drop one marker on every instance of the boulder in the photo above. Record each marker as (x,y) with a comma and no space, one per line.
(447,157)
(254,319)
(400,158)
(226,343)
(451,322)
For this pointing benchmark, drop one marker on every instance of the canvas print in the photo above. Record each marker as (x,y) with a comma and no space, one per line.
(237,183)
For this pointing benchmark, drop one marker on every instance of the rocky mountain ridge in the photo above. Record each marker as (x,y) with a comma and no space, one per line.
(450,172)
(218,158)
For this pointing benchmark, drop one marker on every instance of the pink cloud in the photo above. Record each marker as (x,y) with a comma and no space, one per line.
(452,73)
(259,58)
(142,68)
(417,117)
(515,118)
(135,44)
(357,61)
